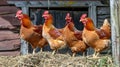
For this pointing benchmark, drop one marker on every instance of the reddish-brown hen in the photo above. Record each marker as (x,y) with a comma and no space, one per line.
(98,39)
(31,33)
(53,35)
(73,37)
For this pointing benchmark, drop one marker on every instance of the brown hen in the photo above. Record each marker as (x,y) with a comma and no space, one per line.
(73,37)
(98,39)
(53,35)
(31,33)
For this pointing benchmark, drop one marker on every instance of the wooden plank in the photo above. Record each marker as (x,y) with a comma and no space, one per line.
(55,3)
(9,45)
(10,53)
(3,2)
(8,35)
(9,40)
(11,19)
(115,24)
(5,24)
(103,10)
(102,13)
(8,9)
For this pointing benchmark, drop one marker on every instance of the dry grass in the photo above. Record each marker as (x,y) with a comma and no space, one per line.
(45,59)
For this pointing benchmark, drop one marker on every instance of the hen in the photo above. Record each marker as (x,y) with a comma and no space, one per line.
(31,33)
(98,39)
(53,35)
(73,37)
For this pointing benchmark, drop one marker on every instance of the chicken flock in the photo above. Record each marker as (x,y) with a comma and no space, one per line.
(69,36)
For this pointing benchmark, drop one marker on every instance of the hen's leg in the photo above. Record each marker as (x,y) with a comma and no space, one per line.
(53,52)
(41,49)
(94,55)
(97,54)
(83,54)
(34,51)
(73,55)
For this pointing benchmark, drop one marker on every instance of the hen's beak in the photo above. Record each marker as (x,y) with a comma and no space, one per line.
(43,15)
(16,16)
(68,18)
(65,18)
(80,20)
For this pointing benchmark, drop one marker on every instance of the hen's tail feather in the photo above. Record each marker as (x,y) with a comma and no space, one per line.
(105,25)
(106,22)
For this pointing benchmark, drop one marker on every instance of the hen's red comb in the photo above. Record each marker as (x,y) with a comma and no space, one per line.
(84,16)
(68,15)
(46,12)
(19,11)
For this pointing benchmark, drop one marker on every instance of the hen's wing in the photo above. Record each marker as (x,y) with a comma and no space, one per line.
(102,34)
(61,30)
(38,29)
(105,31)
(78,35)
(54,33)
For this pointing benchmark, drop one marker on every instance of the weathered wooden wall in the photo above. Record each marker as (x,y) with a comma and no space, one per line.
(115,24)
(102,13)
(9,31)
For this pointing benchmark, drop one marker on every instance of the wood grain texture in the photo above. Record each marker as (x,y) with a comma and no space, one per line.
(115,24)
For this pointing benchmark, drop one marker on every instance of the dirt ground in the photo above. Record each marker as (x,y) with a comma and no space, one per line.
(46,59)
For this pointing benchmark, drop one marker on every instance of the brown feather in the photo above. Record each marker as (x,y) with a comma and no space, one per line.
(54,33)
(26,22)
(38,29)
(29,32)
(98,39)
(78,35)
(102,34)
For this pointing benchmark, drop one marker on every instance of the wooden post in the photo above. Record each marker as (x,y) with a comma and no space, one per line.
(24,44)
(115,24)
(25,10)
(92,14)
